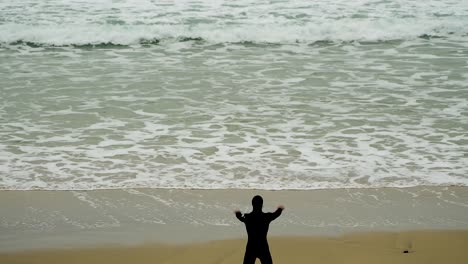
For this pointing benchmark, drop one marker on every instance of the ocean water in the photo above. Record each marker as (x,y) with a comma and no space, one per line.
(212,94)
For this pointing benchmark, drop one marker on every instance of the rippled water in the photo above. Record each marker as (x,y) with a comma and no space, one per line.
(222,94)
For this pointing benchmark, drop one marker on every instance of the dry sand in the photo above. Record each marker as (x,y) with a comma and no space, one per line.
(373,247)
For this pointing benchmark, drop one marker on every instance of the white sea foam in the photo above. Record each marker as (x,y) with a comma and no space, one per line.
(129,22)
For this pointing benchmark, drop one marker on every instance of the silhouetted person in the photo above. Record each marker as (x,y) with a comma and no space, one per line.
(257,223)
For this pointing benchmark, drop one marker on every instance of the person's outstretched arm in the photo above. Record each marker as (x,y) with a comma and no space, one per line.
(276,213)
(239,215)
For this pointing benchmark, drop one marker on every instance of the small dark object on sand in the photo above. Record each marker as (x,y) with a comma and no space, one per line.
(406,251)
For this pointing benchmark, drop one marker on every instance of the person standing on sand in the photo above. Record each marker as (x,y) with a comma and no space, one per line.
(257,223)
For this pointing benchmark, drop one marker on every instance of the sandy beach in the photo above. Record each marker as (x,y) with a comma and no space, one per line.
(377,247)
(198,226)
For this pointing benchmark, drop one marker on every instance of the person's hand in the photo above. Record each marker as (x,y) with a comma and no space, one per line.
(281,207)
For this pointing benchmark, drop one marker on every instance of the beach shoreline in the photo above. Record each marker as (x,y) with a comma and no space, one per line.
(33,220)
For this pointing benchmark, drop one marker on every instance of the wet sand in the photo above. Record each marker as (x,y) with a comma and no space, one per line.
(199,226)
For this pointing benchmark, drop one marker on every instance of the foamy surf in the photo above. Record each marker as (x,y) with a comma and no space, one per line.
(129,23)
(310,32)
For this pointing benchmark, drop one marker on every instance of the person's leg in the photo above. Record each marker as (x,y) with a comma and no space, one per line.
(249,258)
(264,254)
(265,258)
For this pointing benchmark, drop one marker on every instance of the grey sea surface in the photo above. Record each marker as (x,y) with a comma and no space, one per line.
(235,116)
(215,94)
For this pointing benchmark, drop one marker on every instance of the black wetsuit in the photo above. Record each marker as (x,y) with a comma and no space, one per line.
(257,223)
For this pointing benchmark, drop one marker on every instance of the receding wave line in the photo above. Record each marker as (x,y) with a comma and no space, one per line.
(198,40)
(271,33)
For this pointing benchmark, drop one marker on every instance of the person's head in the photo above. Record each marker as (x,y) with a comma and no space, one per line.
(257,203)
